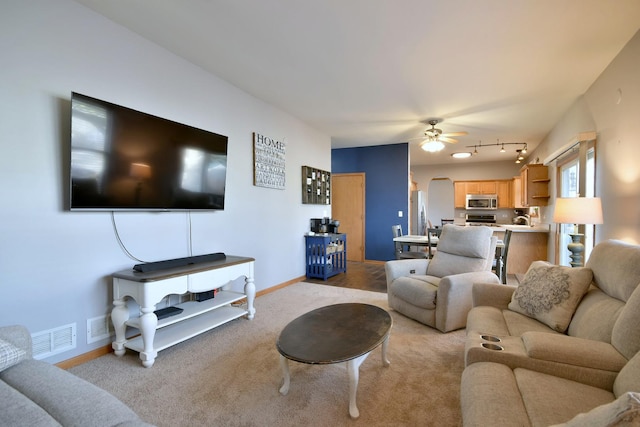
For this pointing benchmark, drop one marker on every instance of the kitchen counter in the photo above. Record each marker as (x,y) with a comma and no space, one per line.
(537,228)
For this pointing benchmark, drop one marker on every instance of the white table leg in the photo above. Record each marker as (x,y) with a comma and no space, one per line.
(286,375)
(250,292)
(148,324)
(119,315)
(385,345)
(353,370)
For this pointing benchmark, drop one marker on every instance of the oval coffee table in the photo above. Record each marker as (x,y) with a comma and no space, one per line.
(334,334)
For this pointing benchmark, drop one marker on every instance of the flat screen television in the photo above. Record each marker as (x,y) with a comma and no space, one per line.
(123,159)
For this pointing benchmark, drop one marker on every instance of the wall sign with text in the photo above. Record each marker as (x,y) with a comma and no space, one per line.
(268,162)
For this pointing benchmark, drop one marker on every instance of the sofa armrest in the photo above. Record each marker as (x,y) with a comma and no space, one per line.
(19,336)
(454,298)
(573,351)
(492,294)
(404,267)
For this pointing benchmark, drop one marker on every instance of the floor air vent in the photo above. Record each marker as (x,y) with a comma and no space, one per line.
(99,328)
(54,341)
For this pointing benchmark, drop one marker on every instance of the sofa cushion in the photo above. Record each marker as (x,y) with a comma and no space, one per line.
(460,250)
(552,400)
(616,267)
(628,378)
(489,395)
(419,290)
(18,410)
(624,411)
(10,355)
(66,398)
(625,336)
(551,293)
(595,316)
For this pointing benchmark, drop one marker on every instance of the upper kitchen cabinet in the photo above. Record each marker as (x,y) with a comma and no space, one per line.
(516,192)
(534,180)
(500,187)
(504,192)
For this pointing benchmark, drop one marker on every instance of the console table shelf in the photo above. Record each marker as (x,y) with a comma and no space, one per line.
(183,329)
(149,288)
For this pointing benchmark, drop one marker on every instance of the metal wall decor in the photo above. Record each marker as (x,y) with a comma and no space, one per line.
(268,162)
(316,186)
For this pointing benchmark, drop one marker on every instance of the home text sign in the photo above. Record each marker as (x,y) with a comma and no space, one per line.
(268,162)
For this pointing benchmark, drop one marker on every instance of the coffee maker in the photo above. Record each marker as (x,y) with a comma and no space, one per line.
(324,225)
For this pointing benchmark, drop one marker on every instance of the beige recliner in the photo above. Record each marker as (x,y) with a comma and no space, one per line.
(437,291)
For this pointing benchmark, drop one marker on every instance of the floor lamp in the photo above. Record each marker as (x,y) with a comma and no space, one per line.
(577,210)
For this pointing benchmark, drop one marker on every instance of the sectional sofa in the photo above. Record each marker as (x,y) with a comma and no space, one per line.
(35,393)
(563,347)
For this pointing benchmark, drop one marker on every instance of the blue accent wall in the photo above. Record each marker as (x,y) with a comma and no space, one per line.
(386,169)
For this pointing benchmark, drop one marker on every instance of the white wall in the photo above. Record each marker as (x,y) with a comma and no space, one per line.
(611,107)
(55,265)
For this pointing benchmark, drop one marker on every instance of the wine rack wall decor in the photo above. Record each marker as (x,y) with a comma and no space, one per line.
(316,186)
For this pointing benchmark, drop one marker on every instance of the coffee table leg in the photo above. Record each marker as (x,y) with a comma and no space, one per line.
(385,345)
(353,370)
(287,377)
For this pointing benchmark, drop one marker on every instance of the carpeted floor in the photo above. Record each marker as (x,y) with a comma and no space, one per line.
(230,376)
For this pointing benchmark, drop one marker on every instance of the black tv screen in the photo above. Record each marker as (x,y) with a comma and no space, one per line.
(123,159)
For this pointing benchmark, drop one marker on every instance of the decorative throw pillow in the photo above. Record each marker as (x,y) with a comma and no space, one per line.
(550,293)
(624,411)
(10,355)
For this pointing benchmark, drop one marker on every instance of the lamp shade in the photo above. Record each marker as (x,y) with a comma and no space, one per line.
(578,210)
(140,171)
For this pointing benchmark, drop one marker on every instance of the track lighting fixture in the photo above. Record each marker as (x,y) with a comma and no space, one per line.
(519,151)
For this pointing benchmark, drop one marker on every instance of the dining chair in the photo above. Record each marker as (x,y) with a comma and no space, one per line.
(499,266)
(433,236)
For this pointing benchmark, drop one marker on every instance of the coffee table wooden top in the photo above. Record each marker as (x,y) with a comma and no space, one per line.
(335,333)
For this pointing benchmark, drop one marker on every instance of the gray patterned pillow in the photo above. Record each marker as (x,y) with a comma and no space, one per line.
(550,293)
(10,355)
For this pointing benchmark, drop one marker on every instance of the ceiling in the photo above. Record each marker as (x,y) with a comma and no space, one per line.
(370,72)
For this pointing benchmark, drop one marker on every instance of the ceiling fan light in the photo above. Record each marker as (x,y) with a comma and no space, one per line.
(461,155)
(432,146)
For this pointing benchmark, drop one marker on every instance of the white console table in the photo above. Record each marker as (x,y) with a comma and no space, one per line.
(149,288)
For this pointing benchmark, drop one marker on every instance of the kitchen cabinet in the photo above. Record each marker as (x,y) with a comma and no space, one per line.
(516,187)
(503,190)
(500,187)
(534,180)
(459,194)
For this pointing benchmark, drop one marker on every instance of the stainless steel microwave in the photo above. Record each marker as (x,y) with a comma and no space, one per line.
(482,201)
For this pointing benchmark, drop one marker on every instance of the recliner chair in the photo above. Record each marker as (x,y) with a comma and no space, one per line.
(437,291)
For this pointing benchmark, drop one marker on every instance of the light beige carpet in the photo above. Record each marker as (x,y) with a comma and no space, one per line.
(230,376)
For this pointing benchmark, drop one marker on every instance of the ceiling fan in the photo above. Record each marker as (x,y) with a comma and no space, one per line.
(433,138)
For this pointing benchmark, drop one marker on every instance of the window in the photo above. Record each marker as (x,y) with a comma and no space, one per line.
(573,183)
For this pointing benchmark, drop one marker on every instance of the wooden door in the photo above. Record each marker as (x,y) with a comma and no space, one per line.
(347,206)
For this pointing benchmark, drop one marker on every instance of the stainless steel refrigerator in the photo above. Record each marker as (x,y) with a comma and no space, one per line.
(418,214)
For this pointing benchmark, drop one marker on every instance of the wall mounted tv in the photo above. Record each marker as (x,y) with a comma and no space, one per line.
(123,159)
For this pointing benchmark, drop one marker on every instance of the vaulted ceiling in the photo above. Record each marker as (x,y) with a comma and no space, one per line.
(369,72)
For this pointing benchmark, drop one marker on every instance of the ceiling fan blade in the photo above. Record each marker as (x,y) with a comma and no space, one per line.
(446,139)
(461,133)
